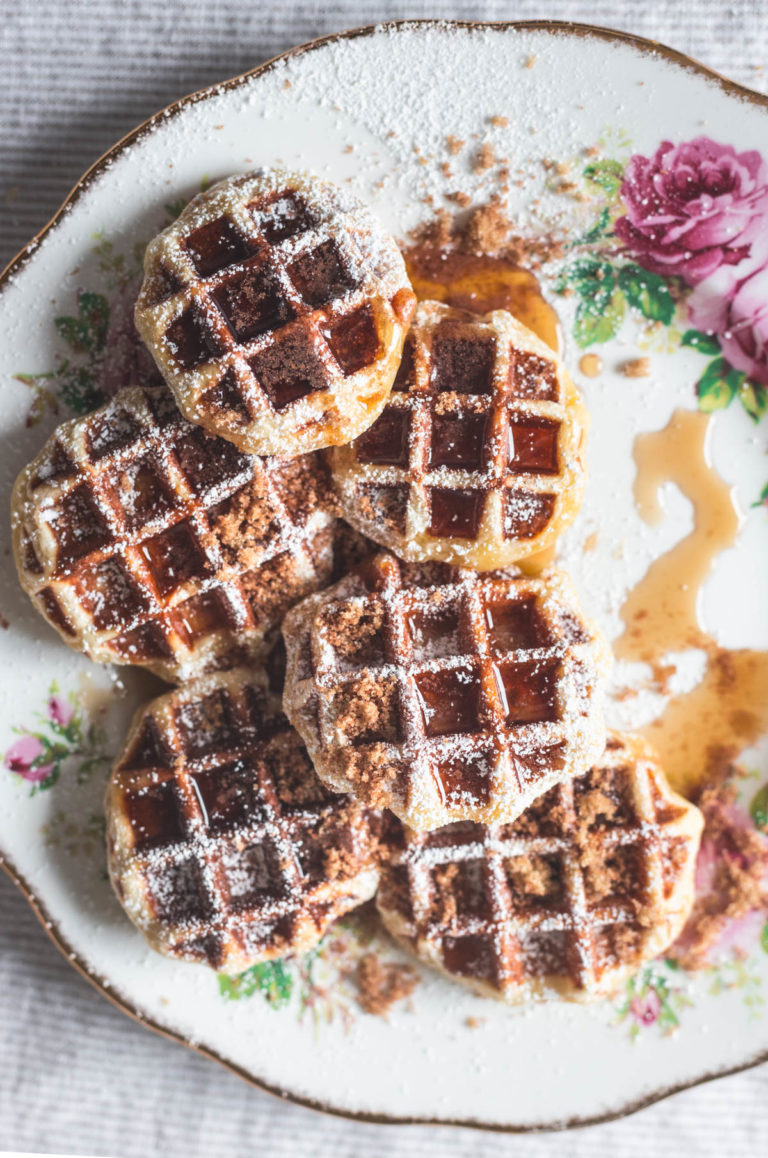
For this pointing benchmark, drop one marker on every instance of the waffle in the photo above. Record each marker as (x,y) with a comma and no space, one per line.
(224,847)
(144,540)
(476,459)
(443,694)
(275,307)
(567,902)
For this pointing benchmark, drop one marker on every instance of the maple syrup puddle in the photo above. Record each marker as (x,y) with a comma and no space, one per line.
(728,709)
(481,283)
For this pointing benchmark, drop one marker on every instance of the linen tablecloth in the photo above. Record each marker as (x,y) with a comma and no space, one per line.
(76,1076)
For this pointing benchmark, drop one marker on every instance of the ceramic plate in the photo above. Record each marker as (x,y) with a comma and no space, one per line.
(570,113)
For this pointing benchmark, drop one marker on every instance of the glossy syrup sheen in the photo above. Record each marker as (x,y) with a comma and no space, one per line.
(728,709)
(481,283)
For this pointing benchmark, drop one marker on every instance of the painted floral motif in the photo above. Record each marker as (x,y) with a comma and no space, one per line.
(654,997)
(321,982)
(682,238)
(63,733)
(102,349)
(72,382)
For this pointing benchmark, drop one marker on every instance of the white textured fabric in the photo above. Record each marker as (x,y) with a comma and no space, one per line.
(76,1076)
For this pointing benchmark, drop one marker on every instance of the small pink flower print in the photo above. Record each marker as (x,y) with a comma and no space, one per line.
(646,1008)
(695,207)
(60,711)
(21,757)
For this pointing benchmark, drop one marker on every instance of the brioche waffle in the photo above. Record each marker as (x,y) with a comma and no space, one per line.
(567,902)
(144,540)
(224,847)
(476,459)
(275,307)
(443,694)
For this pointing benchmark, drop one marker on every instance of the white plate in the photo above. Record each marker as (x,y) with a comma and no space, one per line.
(391,94)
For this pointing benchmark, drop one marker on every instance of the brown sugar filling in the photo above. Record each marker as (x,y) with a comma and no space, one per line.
(740,855)
(380,985)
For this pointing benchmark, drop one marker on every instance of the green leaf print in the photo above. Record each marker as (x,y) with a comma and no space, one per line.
(698,340)
(647,292)
(758,808)
(271,978)
(754,399)
(764,938)
(598,230)
(86,333)
(597,322)
(718,385)
(77,388)
(606,174)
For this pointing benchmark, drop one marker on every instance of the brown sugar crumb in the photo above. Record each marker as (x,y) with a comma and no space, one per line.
(487,230)
(438,232)
(461,199)
(454,145)
(549,808)
(484,158)
(530,61)
(446,169)
(380,985)
(340,863)
(602,873)
(596,805)
(444,878)
(625,940)
(499,121)
(243,524)
(636,368)
(371,771)
(474,1022)
(349,627)
(532,875)
(740,857)
(304,484)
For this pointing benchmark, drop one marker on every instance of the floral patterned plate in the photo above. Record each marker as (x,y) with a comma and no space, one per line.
(651,176)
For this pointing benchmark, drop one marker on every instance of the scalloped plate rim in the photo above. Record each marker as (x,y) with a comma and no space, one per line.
(150,125)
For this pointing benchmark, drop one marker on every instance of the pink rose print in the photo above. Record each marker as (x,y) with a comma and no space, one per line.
(646,1008)
(694,207)
(737,311)
(59,711)
(21,757)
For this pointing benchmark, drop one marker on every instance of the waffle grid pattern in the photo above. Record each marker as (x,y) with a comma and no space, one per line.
(275,308)
(475,459)
(493,686)
(120,544)
(208,854)
(452,896)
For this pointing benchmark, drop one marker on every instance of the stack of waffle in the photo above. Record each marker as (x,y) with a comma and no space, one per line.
(428,728)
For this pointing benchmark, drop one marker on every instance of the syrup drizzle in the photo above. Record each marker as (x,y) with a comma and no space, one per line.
(728,709)
(481,283)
